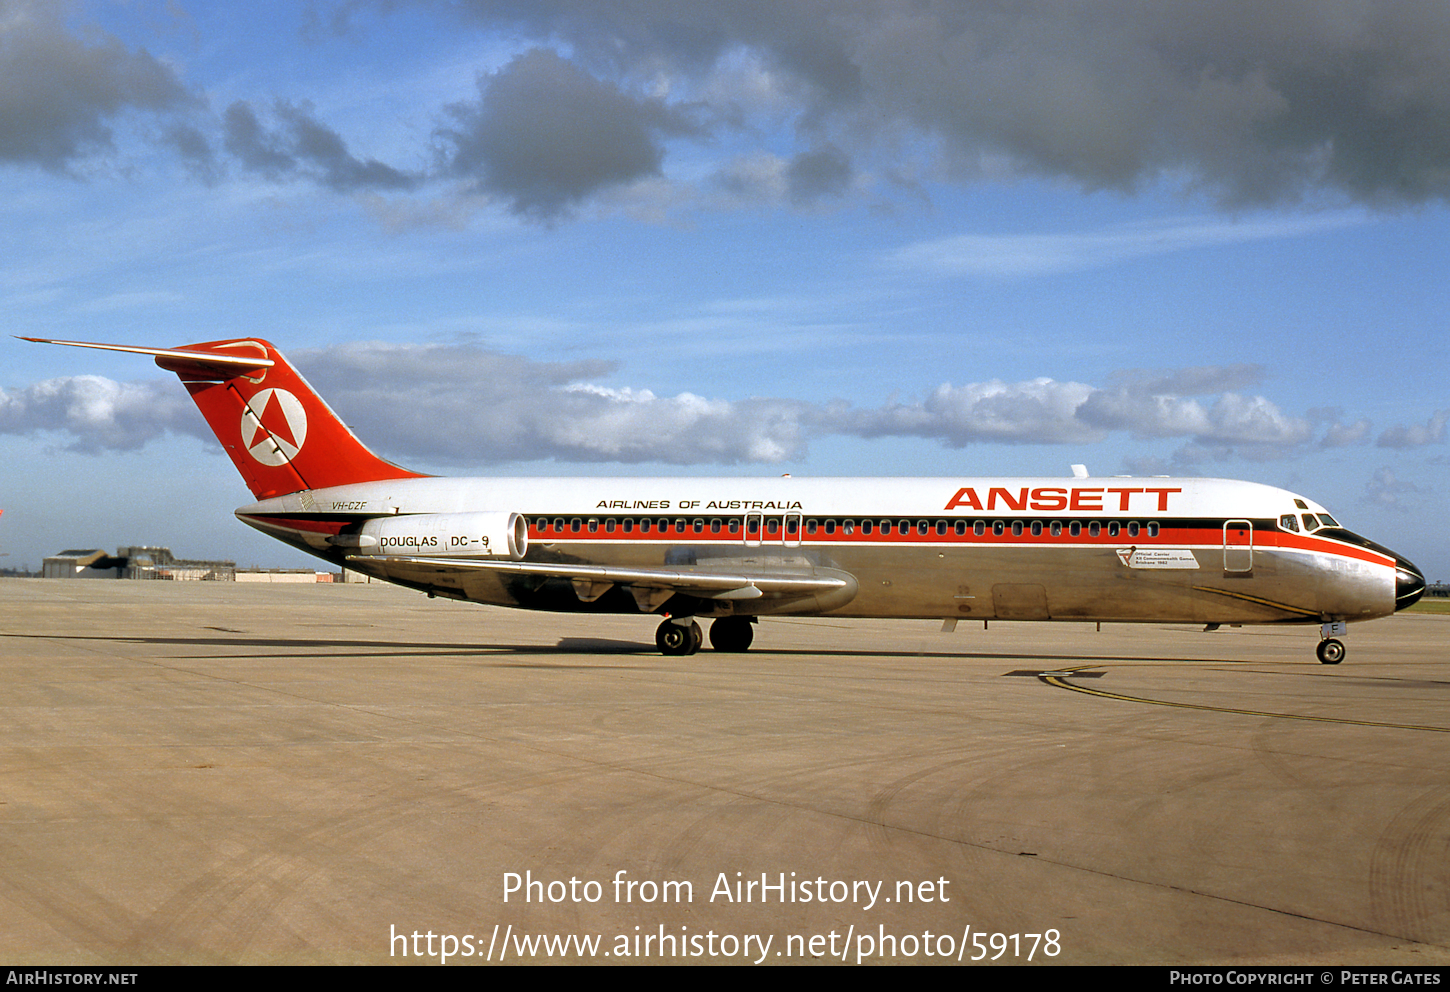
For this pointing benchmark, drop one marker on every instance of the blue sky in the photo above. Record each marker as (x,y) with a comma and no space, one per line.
(865,237)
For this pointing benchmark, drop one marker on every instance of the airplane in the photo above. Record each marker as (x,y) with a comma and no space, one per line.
(1165,550)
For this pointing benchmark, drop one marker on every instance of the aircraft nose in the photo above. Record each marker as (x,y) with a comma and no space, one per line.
(1409,584)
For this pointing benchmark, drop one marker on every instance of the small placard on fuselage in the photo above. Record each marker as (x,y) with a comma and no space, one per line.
(1157,558)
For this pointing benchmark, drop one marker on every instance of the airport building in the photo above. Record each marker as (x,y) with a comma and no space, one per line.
(135,563)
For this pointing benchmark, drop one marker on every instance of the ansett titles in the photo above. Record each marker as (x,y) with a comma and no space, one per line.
(1121,499)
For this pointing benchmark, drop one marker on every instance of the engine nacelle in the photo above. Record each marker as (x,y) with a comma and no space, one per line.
(491,535)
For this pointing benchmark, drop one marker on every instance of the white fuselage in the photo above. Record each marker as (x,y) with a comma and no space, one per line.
(1125,549)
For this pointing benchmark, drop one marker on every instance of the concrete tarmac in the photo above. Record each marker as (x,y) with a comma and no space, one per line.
(222,773)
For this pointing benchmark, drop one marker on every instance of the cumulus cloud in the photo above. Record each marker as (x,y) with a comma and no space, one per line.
(1388,490)
(815,100)
(1255,104)
(1041,411)
(544,134)
(466,405)
(100,414)
(59,95)
(1416,435)
(302,146)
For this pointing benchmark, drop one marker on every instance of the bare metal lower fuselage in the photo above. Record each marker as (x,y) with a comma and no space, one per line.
(1232,566)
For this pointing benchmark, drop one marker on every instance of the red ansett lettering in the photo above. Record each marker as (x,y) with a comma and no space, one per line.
(1055,498)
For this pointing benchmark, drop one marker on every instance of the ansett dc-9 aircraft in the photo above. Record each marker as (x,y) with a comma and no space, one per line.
(1201,551)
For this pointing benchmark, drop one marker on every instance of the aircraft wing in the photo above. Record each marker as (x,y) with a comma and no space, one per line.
(651,586)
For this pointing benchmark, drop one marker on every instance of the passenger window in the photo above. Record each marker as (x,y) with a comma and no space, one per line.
(1074,529)
(715,525)
(1016,528)
(680,526)
(979,528)
(699,526)
(1037,528)
(848,526)
(1095,529)
(865,526)
(1113,529)
(961,528)
(1057,528)
(1152,528)
(997,528)
(593,525)
(1133,529)
(830,526)
(923,527)
(810,526)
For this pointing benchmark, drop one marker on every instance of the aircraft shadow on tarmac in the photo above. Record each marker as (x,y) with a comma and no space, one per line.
(330,647)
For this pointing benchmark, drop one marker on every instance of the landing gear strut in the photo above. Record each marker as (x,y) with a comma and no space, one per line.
(1330,651)
(731,634)
(679,638)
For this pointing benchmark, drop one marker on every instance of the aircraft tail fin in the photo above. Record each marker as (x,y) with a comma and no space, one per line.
(279,433)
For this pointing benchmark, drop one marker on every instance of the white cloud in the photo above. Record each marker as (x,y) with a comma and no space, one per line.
(1012,255)
(1416,435)
(462,404)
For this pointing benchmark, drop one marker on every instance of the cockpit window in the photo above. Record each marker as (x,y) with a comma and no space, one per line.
(1310,524)
(1288,522)
(1327,520)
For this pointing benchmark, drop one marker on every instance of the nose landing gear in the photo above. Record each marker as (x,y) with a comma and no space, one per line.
(1331,649)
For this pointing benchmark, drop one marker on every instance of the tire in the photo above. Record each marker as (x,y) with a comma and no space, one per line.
(1330,652)
(732,634)
(678,639)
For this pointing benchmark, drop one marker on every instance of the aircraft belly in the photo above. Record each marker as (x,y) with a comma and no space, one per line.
(1090,584)
(987,583)
(1015,584)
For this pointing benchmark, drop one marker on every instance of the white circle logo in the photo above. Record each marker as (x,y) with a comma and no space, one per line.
(274,426)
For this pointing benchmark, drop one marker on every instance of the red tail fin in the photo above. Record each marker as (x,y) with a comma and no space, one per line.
(279,433)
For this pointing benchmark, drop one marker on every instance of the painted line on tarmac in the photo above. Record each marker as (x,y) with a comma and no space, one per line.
(1058,679)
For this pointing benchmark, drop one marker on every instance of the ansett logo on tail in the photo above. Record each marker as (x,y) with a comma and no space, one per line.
(274,426)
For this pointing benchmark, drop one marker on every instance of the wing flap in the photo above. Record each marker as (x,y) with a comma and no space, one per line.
(592,581)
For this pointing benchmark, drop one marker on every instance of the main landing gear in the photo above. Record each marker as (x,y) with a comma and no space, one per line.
(732,634)
(674,637)
(681,635)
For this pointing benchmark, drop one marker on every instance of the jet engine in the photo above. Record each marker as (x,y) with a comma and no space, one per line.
(470,535)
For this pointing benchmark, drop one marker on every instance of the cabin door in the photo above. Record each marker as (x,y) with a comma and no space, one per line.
(1238,547)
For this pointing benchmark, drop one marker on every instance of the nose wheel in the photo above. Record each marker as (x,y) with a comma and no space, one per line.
(679,639)
(1330,651)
